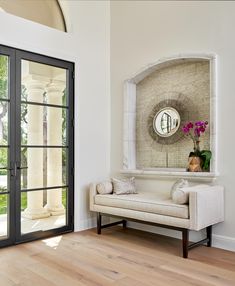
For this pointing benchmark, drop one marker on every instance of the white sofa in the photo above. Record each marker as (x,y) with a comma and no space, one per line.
(205,208)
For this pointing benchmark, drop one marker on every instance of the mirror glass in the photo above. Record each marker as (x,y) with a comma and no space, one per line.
(166,122)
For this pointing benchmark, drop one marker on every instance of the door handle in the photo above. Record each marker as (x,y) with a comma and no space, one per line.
(13,169)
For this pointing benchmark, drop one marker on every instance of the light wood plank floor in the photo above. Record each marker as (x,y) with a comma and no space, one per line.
(117,257)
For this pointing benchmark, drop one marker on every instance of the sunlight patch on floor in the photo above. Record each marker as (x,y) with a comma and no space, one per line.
(53,242)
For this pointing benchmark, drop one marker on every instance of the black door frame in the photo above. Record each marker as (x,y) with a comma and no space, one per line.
(14,224)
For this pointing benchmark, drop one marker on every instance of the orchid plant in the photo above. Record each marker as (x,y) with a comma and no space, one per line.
(194,131)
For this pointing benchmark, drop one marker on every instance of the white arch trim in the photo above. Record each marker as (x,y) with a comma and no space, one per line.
(64,6)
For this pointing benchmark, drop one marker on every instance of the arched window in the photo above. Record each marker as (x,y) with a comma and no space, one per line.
(46,12)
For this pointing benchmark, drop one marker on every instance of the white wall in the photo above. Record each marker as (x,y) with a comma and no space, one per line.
(143,32)
(87,44)
(90,28)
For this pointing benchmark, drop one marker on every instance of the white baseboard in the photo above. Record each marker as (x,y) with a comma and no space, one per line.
(85,224)
(218,241)
(88,223)
(224,242)
(193,236)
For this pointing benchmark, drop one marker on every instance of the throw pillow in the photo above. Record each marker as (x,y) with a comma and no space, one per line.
(124,186)
(179,184)
(181,195)
(104,188)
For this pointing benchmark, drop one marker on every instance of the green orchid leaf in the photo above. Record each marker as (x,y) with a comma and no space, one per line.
(206,156)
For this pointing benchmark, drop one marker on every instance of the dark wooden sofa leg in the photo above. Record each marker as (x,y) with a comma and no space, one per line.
(100,226)
(185,242)
(99,223)
(209,235)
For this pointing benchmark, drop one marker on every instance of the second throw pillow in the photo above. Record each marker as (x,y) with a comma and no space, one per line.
(124,186)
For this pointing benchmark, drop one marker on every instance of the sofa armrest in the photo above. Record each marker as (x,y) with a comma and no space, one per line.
(206,207)
(92,195)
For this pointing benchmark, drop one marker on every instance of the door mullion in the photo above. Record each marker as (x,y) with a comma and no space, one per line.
(70,136)
(12,149)
(18,143)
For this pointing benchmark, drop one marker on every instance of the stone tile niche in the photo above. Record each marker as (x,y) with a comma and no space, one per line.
(188,80)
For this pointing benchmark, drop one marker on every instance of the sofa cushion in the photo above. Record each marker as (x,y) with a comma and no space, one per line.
(157,203)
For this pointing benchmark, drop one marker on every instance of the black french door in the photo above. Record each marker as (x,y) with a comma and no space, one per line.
(36,146)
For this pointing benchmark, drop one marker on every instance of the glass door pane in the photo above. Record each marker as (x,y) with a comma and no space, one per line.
(4,147)
(4,75)
(44,145)
(52,131)
(4,216)
(53,167)
(29,225)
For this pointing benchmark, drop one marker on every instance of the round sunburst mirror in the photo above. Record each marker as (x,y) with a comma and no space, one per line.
(166,122)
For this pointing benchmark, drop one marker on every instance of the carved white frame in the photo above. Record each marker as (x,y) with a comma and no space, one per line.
(129,113)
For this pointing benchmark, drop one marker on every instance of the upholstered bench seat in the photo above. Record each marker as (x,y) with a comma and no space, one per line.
(145,202)
(205,208)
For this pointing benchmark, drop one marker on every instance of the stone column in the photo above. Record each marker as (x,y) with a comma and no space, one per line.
(35,209)
(54,155)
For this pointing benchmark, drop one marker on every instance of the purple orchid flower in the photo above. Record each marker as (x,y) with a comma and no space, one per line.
(195,130)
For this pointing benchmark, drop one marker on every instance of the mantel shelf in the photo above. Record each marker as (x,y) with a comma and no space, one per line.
(197,176)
